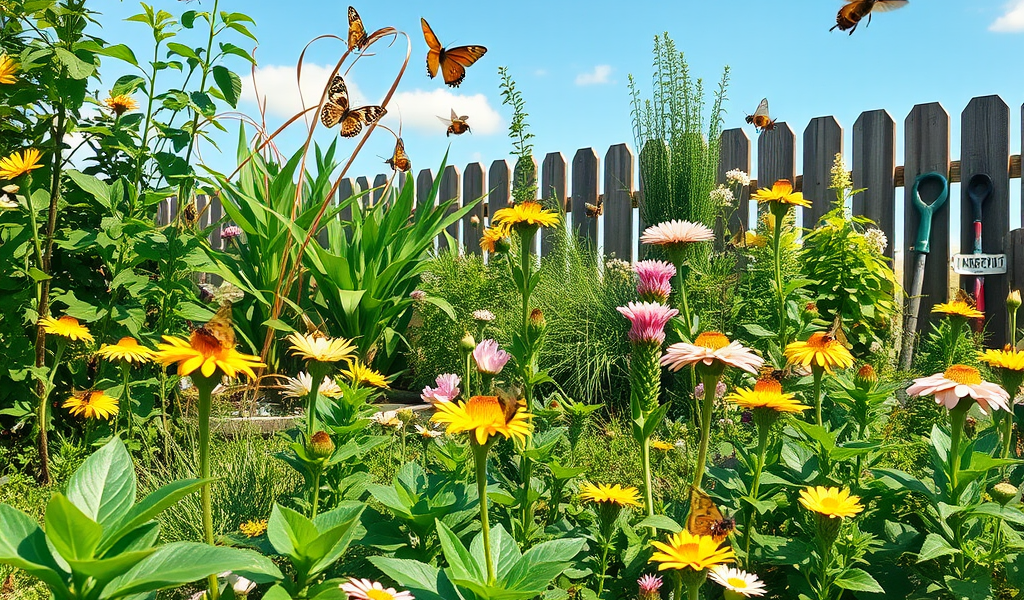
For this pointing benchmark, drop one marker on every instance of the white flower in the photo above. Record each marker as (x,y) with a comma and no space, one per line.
(428,433)
(364,589)
(722,196)
(388,418)
(741,582)
(299,386)
(241,586)
(876,237)
(483,315)
(737,177)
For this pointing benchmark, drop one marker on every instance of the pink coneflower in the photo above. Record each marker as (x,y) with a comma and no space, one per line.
(418,295)
(960,381)
(649,586)
(708,348)
(447,389)
(230,232)
(671,233)
(364,589)
(655,280)
(490,359)
(649,320)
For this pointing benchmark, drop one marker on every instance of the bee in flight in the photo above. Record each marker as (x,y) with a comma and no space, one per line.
(760,119)
(595,210)
(399,160)
(851,14)
(456,125)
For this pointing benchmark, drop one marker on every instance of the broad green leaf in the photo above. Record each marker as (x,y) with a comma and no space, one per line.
(72,533)
(23,546)
(92,186)
(104,486)
(121,52)
(541,564)
(290,532)
(425,582)
(660,522)
(461,563)
(339,527)
(277,593)
(77,68)
(858,580)
(504,551)
(935,546)
(229,84)
(151,506)
(104,570)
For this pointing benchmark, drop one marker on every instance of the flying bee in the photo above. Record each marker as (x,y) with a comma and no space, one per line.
(851,14)
(510,402)
(456,125)
(760,119)
(399,161)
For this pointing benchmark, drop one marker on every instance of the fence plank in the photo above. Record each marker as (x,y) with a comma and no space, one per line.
(874,170)
(524,175)
(776,155)
(1015,258)
(379,183)
(424,185)
(451,181)
(735,154)
(823,139)
(553,191)
(586,170)
(618,203)
(927,149)
(985,149)
(346,189)
(499,178)
(472,189)
(214,214)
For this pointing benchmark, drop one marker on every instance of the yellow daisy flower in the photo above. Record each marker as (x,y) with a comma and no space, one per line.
(128,350)
(92,405)
(360,374)
(610,494)
(319,348)
(492,237)
(820,350)
(958,308)
(16,164)
(121,104)
(781,193)
(687,551)
(253,528)
(1009,359)
(66,327)
(207,354)
(529,213)
(484,417)
(660,445)
(830,502)
(7,69)
(767,393)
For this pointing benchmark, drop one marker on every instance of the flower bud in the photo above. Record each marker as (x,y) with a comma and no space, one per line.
(502,246)
(467,343)
(866,377)
(406,416)
(1003,492)
(474,221)
(537,324)
(811,312)
(321,445)
(1013,301)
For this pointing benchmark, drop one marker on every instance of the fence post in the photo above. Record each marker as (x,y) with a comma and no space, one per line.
(874,170)
(586,169)
(776,156)
(1015,260)
(553,191)
(449,190)
(346,189)
(379,183)
(823,139)
(499,178)
(424,185)
(618,203)
(735,154)
(473,189)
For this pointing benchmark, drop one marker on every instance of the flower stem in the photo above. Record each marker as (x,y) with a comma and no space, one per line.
(957,417)
(645,454)
(317,374)
(817,372)
(205,385)
(43,408)
(604,568)
(130,412)
(763,430)
(780,295)
(710,383)
(316,492)
(480,457)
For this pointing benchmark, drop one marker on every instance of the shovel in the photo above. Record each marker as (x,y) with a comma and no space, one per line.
(922,246)
(979,189)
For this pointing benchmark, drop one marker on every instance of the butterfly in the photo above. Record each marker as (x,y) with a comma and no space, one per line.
(510,402)
(595,211)
(705,518)
(456,125)
(337,110)
(452,62)
(400,160)
(851,14)
(836,332)
(218,330)
(356,31)
(760,119)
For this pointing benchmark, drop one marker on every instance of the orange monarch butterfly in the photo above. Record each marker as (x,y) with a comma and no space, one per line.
(851,14)
(453,62)
(456,125)
(356,31)
(760,119)
(705,518)
(219,329)
(337,110)
(399,160)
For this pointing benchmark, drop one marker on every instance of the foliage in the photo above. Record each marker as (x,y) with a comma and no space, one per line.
(524,183)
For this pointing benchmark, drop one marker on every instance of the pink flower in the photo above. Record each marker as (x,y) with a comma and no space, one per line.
(960,381)
(708,348)
(489,357)
(447,389)
(655,277)
(649,586)
(364,589)
(418,295)
(230,232)
(649,320)
(676,232)
(720,390)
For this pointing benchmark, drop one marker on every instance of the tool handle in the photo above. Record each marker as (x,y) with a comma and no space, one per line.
(926,211)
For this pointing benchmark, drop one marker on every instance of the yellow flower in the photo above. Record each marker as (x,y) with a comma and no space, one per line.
(830,502)
(611,494)
(360,374)
(492,237)
(66,327)
(121,104)
(319,348)
(660,445)
(128,350)
(958,308)
(19,164)
(484,417)
(752,240)
(687,551)
(820,350)
(767,393)
(527,213)
(1009,359)
(206,353)
(92,405)
(781,193)
(7,69)
(253,528)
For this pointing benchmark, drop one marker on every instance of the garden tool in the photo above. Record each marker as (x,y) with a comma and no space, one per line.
(922,246)
(979,189)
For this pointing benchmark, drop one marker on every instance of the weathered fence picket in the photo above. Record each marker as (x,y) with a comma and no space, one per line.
(586,173)
(735,154)
(874,171)
(449,190)
(553,190)
(473,188)
(618,202)
(823,139)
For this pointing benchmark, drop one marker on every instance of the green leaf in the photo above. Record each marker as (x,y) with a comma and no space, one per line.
(504,551)
(462,565)
(181,50)
(426,582)
(23,546)
(229,84)
(72,533)
(660,522)
(151,506)
(858,580)
(339,527)
(38,275)
(933,547)
(290,532)
(542,563)
(77,68)
(104,486)
(92,186)
(443,304)
(120,52)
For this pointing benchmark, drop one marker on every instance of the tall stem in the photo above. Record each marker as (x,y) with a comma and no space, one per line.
(128,401)
(957,417)
(317,372)
(645,455)
(316,492)
(480,458)
(604,568)
(779,290)
(526,463)
(763,430)
(205,386)
(710,383)
(817,372)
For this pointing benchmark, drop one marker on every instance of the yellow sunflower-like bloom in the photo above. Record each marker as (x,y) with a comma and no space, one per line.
(767,393)
(7,69)
(92,405)
(1009,359)
(121,104)
(527,213)
(205,353)
(319,348)
(958,308)
(820,350)
(610,494)
(253,528)
(660,445)
(687,551)
(492,237)
(66,326)
(484,417)
(17,164)
(830,502)
(360,374)
(128,350)
(782,193)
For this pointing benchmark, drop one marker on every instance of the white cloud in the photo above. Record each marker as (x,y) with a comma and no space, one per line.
(599,76)
(419,109)
(1012,20)
(277,87)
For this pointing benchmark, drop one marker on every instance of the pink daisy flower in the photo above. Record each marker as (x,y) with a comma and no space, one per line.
(489,357)
(671,233)
(709,347)
(447,389)
(649,320)
(649,586)
(364,589)
(230,232)
(655,280)
(960,381)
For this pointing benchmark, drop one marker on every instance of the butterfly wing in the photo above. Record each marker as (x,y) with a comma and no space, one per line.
(353,121)
(454,62)
(434,49)
(762,109)
(887,5)
(337,103)
(356,31)
(219,329)
(705,518)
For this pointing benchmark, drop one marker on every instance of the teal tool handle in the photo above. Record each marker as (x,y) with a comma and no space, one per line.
(926,211)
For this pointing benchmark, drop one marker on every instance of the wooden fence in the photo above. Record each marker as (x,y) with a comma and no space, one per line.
(984,148)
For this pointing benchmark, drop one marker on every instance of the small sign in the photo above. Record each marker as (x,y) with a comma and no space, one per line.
(979,264)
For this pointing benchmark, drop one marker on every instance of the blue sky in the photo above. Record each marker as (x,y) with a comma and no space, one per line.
(571,61)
